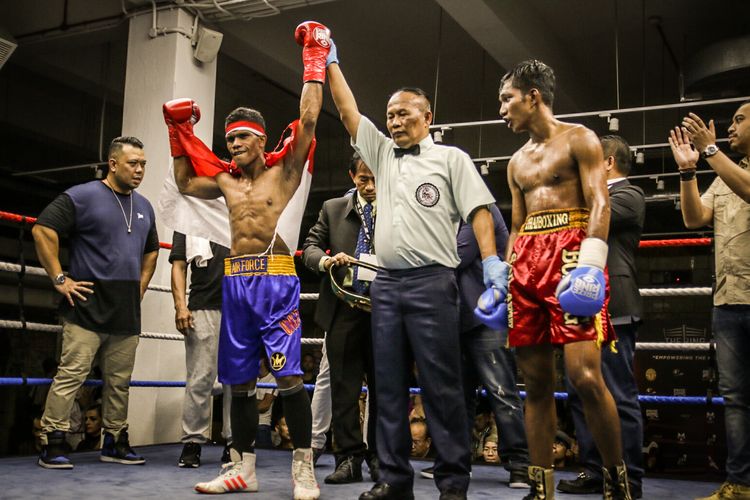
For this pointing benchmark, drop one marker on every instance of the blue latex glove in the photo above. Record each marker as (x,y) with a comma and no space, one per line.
(495,274)
(333,56)
(492,310)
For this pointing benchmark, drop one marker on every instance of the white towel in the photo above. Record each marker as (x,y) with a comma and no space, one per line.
(198,250)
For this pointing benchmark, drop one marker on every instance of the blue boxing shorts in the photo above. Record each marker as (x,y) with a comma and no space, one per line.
(260,295)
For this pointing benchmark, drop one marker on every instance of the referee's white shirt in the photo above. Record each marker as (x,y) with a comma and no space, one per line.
(421,199)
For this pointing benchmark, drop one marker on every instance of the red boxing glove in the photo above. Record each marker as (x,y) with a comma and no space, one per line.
(316,42)
(183,113)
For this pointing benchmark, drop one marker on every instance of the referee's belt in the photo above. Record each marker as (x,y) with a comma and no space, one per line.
(549,221)
(259,265)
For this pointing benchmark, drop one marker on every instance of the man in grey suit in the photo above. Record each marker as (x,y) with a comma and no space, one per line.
(628,211)
(346,226)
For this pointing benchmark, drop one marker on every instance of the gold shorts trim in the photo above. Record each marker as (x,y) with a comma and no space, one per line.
(259,265)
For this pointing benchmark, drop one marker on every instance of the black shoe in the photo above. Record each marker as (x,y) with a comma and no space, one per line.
(190,456)
(349,470)
(54,454)
(226,457)
(428,473)
(452,494)
(519,478)
(385,491)
(374,465)
(317,453)
(119,451)
(584,484)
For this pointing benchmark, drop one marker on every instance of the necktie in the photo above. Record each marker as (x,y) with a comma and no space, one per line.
(363,246)
(399,152)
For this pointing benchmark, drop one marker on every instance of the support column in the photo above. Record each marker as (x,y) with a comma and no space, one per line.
(160,69)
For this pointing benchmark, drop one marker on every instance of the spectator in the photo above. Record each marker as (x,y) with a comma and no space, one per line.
(284,440)
(489,451)
(421,443)
(93,436)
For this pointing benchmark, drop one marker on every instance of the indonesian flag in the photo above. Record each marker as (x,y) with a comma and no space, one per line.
(209,219)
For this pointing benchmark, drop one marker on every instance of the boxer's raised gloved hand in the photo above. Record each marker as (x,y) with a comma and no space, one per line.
(495,273)
(184,112)
(581,292)
(492,310)
(316,45)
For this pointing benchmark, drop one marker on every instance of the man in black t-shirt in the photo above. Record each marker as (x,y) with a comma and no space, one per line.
(113,249)
(199,320)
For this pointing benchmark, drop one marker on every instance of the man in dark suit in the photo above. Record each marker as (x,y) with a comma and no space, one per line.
(346,226)
(628,211)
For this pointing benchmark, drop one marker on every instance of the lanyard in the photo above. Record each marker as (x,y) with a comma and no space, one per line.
(361,213)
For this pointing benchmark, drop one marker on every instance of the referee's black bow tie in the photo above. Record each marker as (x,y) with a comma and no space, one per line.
(399,152)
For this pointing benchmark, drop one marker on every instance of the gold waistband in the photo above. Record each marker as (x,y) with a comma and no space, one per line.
(549,221)
(257,265)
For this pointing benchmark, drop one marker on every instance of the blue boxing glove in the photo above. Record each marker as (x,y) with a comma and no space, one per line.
(495,274)
(492,309)
(581,292)
(333,56)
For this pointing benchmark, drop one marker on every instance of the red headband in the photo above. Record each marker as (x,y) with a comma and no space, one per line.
(245,125)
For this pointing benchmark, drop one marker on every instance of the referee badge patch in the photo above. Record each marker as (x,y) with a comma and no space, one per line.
(278,361)
(427,195)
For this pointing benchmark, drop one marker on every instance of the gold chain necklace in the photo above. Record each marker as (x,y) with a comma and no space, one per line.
(128,222)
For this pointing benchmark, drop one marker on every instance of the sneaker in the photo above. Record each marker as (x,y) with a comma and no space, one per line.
(226,455)
(190,456)
(729,491)
(428,473)
(119,451)
(54,454)
(519,478)
(235,476)
(584,484)
(349,470)
(303,475)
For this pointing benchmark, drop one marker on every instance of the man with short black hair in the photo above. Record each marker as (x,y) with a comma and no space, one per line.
(113,250)
(725,206)
(346,227)
(557,288)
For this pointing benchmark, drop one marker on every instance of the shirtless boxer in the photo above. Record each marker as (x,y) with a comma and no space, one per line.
(261,289)
(557,286)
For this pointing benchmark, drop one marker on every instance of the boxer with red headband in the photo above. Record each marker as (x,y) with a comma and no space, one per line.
(260,310)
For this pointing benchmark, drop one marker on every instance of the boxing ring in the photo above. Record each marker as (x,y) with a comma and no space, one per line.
(144,482)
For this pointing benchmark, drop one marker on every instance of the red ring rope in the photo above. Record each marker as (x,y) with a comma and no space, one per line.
(683,242)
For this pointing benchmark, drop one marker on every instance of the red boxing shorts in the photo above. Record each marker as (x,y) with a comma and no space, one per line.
(260,309)
(546,249)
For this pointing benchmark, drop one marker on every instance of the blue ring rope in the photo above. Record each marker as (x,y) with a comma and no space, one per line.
(643,398)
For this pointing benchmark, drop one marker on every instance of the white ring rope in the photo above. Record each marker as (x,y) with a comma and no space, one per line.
(42,327)
(38,271)
(641,346)
(645,292)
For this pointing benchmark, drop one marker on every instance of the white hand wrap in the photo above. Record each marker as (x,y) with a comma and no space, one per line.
(593,253)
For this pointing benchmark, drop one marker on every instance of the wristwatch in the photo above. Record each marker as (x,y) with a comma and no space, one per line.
(59,279)
(710,150)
